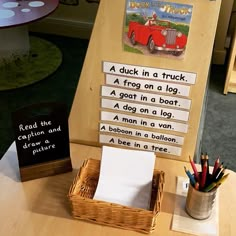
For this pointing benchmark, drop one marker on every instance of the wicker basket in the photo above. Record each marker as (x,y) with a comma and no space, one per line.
(84,207)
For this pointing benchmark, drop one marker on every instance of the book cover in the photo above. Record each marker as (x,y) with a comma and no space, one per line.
(157,28)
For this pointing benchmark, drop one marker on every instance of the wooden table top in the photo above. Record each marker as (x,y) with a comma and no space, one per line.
(18,12)
(40,207)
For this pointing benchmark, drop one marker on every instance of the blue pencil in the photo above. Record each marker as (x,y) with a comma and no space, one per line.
(191,178)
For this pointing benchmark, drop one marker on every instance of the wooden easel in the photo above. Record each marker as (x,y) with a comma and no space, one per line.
(106,46)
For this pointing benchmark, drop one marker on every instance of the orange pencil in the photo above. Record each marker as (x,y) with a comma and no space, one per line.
(196,186)
(196,175)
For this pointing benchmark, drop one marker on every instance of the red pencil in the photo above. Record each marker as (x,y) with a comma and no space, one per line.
(196,175)
(216,165)
(207,159)
(204,175)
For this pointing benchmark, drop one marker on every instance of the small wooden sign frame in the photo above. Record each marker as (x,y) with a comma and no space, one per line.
(42,140)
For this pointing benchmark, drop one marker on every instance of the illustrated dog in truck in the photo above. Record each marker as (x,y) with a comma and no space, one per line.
(157,35)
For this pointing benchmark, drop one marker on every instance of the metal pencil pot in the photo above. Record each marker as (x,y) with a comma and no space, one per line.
(199,204)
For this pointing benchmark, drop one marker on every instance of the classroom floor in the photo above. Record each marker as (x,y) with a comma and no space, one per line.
(219,135)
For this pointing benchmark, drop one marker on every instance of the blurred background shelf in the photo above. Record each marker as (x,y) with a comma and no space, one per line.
(230,83)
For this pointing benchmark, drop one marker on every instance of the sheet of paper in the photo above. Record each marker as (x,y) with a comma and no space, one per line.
(126,177)
(184,223)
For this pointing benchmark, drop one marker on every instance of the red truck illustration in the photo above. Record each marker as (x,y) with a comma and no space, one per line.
(157,37)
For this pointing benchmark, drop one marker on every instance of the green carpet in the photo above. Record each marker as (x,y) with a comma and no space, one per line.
(44,58)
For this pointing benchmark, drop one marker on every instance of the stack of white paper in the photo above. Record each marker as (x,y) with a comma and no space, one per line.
(126,177)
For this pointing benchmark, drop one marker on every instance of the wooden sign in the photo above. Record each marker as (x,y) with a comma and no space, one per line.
(42,140)
(141,96)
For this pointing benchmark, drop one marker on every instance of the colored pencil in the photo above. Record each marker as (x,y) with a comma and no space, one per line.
(207,161)
(204,175)
(216,165)
(196,175)
(196,186)
(218,170)
(221,174)
(202,159)
(215,184)
(191,178)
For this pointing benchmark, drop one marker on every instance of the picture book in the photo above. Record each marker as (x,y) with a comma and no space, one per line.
(157,28)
